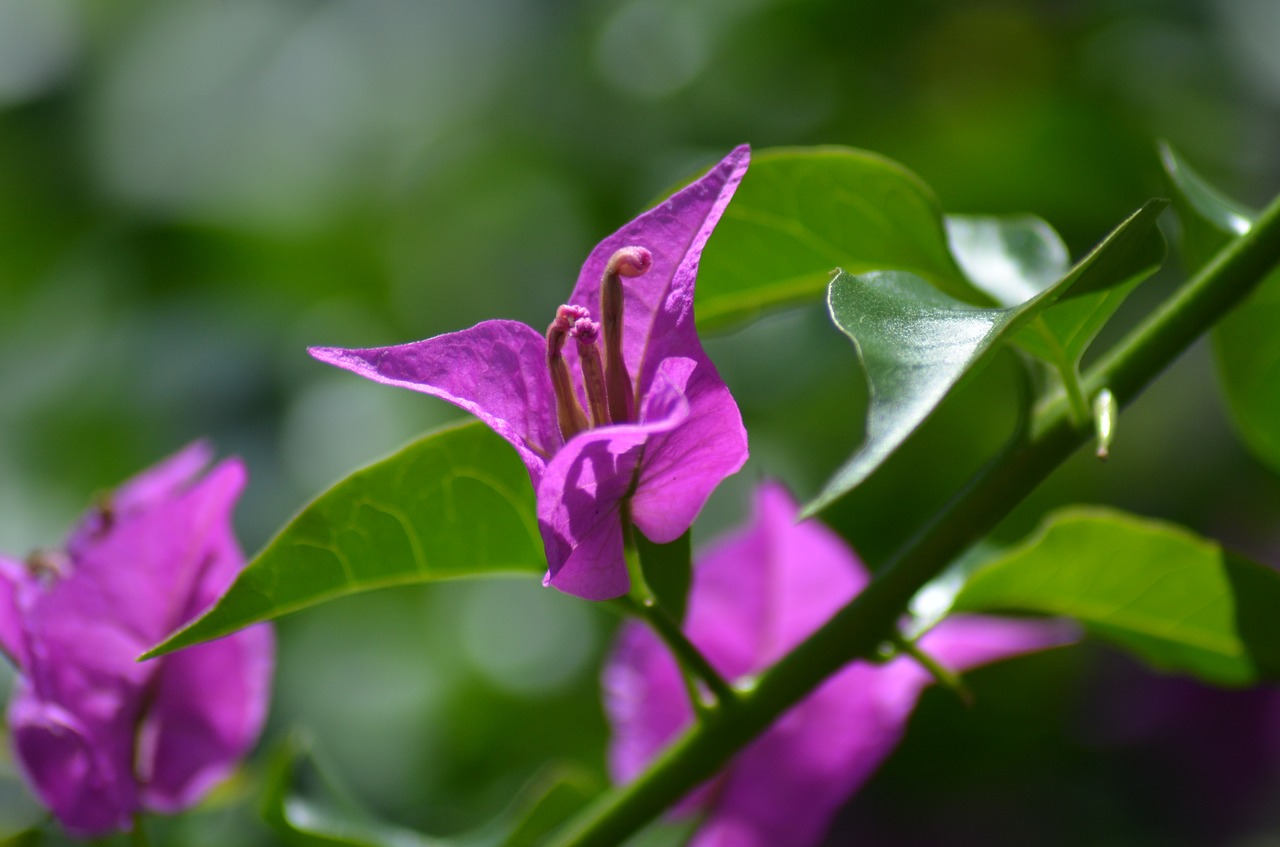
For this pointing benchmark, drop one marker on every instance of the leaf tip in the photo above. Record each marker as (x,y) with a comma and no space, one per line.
(185,637)
(811,509)
(155,652)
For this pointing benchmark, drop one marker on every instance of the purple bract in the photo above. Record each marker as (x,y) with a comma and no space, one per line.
(630,417)
(754,597)
(99,735)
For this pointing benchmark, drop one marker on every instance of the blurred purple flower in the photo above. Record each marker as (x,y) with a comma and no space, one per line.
(662,429)
(99,735)
(754,597)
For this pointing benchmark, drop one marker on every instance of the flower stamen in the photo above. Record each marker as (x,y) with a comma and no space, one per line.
(587,332)
(627,262)
(569,413)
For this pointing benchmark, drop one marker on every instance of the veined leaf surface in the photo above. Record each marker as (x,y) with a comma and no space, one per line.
(455,503)
(1175,600)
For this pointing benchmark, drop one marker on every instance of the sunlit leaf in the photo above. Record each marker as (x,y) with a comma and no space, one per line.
(915,343)
(801,213)
(1011,258)
(1175,600)
(453,504)
(1247,341)
(1015,258)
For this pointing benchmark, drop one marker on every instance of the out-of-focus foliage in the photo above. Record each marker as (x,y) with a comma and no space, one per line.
(192,191)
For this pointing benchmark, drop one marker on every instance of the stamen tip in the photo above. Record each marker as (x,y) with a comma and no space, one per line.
(585,330)
(630,261)
(567,316)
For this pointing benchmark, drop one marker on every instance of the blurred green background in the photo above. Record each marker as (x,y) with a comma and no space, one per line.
(193,191)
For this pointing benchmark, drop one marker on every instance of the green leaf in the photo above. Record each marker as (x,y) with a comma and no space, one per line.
(1130,249)
(1062,334)
(1016,258)
(801,213)
(1246,342)
(668,570)
(1011,258)
(307,804)
(547,802)
(1209,219)
(915,343)
(20,811)
(1175,600)
(1247,345)
(453,504)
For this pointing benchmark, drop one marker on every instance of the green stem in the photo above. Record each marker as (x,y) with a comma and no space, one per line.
(945,676)
(974,511)
(1077,405)
(693,665)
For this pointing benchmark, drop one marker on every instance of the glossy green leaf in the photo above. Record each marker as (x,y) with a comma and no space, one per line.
(1175,600)
(307,804)
(801,213)
(1062,334)
(1246,342)
(915,343)
(453,504)
(1015,258)
(1011,258)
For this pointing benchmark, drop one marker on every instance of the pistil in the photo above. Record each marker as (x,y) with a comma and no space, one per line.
(587,332)
(627,262)
(569,412)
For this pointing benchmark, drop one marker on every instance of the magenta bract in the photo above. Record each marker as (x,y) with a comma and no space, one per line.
(99,735)
(675,437)
(754,597)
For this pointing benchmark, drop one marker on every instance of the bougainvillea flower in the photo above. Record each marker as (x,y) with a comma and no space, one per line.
(754,597)
(100,736)
(632,415)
